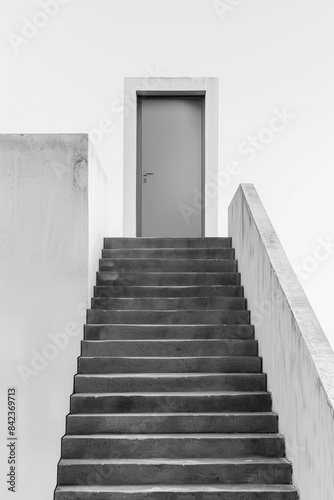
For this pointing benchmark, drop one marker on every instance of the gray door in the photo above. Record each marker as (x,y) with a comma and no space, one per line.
(170,166)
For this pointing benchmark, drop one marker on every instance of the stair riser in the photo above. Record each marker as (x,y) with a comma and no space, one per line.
(161,265)
(96,316)
(163,495)
(155,424)
(169,253)
(161,291)
(174,474)
(146,332)
(169,373)
(210,242)
(169,403)
(170,348)
(139,278)
(202,303)
(226,364)
(250,382)
(104,448)
(160,494)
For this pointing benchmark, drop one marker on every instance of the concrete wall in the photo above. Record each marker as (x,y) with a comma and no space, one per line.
(297,357)
(47,245)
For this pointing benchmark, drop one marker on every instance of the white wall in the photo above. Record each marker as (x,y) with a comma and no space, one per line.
(99,214)
(68,76)
(297,357)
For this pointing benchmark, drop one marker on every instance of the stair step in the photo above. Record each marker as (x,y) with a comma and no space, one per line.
(163,423)
(178,492)
(168,291)
(172,446)
(218,364)
(156,332)
(208,242)
(169,253)
(182,265)
(167,348)
(172,382)
(191,471)
(181,303)
(166,278)
(171,402)
(98,316)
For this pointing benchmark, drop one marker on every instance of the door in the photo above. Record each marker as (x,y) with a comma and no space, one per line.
(170,166)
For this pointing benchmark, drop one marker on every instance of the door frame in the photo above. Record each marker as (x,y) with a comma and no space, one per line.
(197,94)
(134,88)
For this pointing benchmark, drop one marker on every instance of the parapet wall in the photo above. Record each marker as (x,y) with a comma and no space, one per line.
(53,217)
(297,356)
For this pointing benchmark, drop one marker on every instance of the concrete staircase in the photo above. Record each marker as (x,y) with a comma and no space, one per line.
(170,401)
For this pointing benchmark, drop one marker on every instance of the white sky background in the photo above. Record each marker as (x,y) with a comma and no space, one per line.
(267,54)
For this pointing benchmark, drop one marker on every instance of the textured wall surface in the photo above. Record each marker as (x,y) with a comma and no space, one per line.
(297,357)
(48,238)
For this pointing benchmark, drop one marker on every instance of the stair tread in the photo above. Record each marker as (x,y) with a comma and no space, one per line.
(166,310)
(170,252)
(171,239)
(182,488)
(150,249)
(196,435)
(165,298)
(177,287)
(189,326)
(149,259)
(172,357)
(176,415)
(174,461)
(164,341)
(168,375)
(176,394)
(115,274)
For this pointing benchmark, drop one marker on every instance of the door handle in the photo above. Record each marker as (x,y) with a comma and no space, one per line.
(145,174)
